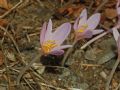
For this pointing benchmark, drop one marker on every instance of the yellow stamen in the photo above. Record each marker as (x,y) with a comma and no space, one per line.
(48,46)
(82,28)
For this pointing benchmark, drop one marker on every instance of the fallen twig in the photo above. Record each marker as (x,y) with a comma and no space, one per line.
(101,5)
(112,73)
(26,68)
(94,39)
(67,53)
(6,67)
(118,87)
(90,6)
(14,42)
(50,86)
(28,84)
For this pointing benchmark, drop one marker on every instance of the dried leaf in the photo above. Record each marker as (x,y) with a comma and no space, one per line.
(3,22)
(4,4)
(71,10)
(110,13)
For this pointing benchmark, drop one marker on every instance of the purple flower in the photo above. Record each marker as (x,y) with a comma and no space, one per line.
(118,7)
(118,12)
(117,38)
(85,28)
(51,41)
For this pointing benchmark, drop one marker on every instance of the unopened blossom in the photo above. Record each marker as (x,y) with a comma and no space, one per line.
(51,41)
(85,28)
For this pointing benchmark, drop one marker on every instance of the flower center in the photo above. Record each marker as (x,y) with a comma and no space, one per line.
(48,46)
(82,28)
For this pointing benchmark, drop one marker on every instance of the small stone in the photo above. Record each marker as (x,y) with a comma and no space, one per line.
(3,88)
(39,67)
(103,75)
(83,86)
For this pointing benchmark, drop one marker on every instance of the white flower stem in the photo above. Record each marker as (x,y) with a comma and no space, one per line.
(94,39)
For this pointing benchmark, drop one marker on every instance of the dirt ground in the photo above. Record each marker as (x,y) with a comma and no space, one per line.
(85,69)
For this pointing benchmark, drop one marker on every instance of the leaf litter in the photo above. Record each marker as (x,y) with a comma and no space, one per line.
(83,73)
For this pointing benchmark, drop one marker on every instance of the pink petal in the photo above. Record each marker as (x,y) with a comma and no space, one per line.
(118,24)
(57,52)
(82,21)
(115,34)
(118,12)
(83,13)
(75,26)
(48,34)
(93,21)
(83,18)
(61,33)
(118,44)
(61,47)
(97,31)
(88,34)
(118,7)
(43,31)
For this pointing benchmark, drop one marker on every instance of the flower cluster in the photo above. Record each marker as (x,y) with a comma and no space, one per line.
(51,42)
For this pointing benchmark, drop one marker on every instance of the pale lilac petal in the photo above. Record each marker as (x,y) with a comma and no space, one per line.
(118,24)
(115,34)
(97,31)
(43,31)
(83,18)
(83,13)
(118,41)
(88,34)
(82,21)
(61,47)
(118,44)
(75,26)
(118,11)
(61,33)
(57,52)
(93,21)
(118,7)
(48,34)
